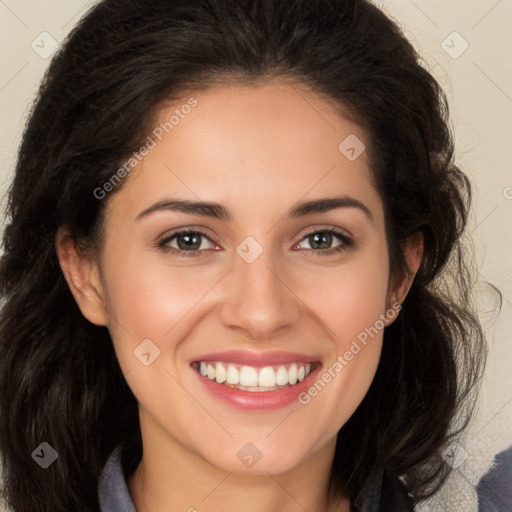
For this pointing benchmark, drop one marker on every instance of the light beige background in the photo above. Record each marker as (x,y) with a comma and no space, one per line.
(479,86)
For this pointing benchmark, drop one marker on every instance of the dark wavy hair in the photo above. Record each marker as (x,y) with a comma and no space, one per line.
(60,381)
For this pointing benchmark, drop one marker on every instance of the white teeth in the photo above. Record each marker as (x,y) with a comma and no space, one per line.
(233,375)
(255,379)
(282,376)
(248,376)
(267,377)
(220,373)
(292,374)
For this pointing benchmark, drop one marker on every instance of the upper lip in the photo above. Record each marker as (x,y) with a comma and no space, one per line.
(249,358)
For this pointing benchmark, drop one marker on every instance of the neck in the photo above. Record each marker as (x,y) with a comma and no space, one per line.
(170,477)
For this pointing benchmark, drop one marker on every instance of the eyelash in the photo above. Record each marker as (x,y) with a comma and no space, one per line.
(346,244)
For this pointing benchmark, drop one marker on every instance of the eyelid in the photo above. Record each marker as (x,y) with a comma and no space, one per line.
(327,227)
(188,229)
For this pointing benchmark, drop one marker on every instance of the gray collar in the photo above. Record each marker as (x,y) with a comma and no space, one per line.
(113,491)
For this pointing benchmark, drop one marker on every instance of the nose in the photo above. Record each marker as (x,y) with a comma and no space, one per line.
(258,302)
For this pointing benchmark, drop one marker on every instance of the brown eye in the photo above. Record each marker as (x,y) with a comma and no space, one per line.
(321,241)
(192,242)
(188,241)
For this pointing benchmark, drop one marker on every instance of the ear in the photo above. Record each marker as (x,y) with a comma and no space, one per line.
(82,275)
(413,254)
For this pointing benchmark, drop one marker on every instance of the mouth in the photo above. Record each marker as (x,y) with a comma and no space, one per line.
(255,379)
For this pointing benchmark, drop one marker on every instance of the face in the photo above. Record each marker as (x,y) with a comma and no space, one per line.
(281,286)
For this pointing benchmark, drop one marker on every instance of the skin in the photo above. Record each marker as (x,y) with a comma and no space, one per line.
(258,151)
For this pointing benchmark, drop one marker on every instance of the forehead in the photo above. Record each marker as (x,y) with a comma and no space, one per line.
(252,145)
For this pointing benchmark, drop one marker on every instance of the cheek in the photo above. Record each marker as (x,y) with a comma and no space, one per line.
(350,302)
(146,300)
(355,303)
(147,296)
(156,303)
(349,297)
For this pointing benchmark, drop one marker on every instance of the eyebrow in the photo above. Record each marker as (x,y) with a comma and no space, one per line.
(218,211)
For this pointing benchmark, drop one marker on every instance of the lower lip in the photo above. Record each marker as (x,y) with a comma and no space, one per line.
(258,400)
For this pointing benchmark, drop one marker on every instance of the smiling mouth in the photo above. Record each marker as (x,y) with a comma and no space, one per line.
(252,378)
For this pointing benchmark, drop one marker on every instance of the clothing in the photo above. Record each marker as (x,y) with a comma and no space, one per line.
(495,487)
(113,491)
(381,493)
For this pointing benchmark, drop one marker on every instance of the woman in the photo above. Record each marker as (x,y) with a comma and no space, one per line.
(233,275)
